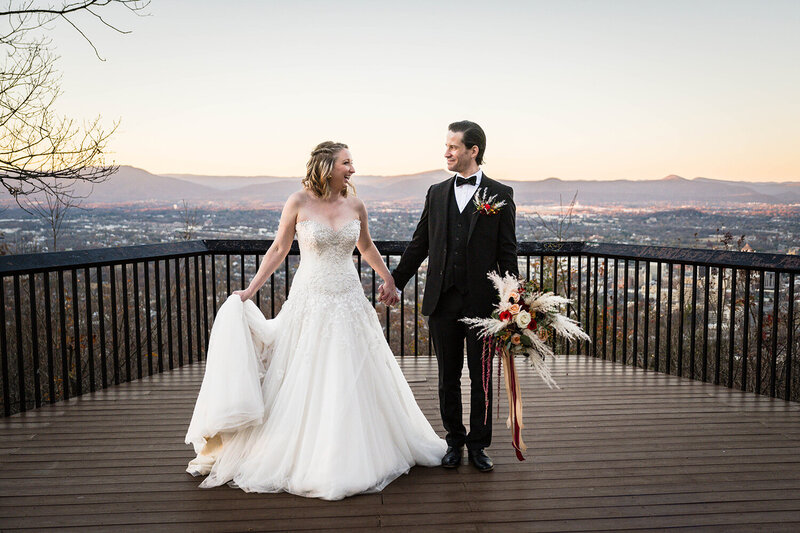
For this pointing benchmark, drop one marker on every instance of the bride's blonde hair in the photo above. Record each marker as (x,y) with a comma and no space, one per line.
(320,166)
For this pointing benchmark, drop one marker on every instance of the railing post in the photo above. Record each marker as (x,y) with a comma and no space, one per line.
(706,300)
(670,280)
(102,316)
(718,336)
(114,334)
(63,326)
(646,354)
(760,331)
(34,328)
(159,322)
(48,320)
(4,349)
(732,328)
(657,351)
(789,339)
(614,311)
(136,320)
(148,319)
(745,328)
(681,306)
(594,308)
(77,334)
(625,314)
(773,367)
(635,314)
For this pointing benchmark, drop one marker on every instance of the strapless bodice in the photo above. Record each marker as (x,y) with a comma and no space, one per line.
(326,258)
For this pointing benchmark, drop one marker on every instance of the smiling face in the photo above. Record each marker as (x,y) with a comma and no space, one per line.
(460,158)
(342,170)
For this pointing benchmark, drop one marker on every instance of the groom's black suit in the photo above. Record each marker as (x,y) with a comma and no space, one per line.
(462,248)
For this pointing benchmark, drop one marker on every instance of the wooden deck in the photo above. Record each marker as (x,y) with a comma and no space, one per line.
(617,449)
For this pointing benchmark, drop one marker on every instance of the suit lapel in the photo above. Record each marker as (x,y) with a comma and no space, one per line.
(471,206)
(443,204)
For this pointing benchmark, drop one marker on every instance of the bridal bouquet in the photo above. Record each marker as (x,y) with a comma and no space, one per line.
(520,325)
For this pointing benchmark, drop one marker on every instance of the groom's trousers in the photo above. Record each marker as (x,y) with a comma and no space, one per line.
(449,336)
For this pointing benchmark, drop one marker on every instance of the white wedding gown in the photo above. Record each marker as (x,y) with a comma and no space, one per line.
(311,402)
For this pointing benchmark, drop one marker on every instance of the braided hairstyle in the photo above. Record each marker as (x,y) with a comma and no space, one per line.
(320,166)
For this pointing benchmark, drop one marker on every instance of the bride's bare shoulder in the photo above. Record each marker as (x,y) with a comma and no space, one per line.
(354,201)
(295,203)
(357,205)
(298,198)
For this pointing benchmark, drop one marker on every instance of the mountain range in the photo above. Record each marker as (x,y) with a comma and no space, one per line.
(134,186)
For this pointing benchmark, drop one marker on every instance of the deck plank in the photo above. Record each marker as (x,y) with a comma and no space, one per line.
(616,449)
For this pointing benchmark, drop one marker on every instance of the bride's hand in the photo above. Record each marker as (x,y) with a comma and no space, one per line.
(389,293)
(244,295)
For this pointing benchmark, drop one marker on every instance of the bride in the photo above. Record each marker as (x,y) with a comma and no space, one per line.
(311,402)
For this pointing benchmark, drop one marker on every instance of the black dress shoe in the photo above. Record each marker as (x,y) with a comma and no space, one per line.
(452,458)
(481,461)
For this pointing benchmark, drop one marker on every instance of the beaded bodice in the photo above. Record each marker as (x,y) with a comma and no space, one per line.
(326,259)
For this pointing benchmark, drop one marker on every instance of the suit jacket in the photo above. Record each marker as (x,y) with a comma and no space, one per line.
(491,246)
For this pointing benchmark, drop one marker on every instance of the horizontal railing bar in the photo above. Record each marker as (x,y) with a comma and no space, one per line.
(242,246)
(54,261)
(695,256)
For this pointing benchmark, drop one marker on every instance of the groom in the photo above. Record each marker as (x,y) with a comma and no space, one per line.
(462,245)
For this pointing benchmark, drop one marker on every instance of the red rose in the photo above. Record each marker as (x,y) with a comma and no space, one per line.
(505,315)
(532,325)
(487,207)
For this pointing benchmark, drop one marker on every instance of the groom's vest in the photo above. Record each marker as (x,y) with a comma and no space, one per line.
(455,268)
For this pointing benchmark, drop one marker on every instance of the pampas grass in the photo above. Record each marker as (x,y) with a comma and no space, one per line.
(545,307)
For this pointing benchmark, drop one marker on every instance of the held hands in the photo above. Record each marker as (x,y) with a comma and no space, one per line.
(388,293)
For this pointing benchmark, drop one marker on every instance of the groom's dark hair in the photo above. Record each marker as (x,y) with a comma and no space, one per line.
(473,136)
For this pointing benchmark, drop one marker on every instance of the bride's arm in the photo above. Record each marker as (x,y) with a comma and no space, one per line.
(370,252)
(278,250)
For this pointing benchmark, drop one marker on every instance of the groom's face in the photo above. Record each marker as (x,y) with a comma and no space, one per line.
(459,158)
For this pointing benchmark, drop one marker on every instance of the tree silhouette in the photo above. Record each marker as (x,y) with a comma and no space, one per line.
(42,152)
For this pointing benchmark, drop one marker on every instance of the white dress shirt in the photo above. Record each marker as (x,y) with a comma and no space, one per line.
(465,192)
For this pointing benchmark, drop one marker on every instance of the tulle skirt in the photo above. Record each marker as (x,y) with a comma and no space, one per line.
(311,402)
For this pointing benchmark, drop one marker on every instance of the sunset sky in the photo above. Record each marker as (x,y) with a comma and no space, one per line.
(573,89)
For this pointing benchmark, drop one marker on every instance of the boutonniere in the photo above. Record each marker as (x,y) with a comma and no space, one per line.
(485,204)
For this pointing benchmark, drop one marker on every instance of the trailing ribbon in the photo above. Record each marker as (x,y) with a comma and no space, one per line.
(486,368)
(514,420)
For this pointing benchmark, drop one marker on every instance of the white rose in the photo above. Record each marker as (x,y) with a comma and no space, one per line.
(522,319)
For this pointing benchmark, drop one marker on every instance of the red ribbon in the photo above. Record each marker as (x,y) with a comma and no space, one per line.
(491,348)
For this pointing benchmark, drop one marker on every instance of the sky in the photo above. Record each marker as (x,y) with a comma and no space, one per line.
(572,89)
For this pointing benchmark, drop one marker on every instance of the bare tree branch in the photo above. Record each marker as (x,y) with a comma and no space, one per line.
(85,38)
(189,218)
(52,209)
(41,152)
(560,229)
(25,9)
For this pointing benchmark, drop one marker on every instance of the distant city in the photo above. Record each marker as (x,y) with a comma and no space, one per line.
(137,207)
(774,229)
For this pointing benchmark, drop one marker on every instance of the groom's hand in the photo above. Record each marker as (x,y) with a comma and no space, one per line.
(388,297)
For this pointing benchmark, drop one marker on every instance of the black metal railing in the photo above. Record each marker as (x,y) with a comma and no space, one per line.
(77,322)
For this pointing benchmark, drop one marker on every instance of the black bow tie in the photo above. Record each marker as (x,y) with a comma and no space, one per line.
(463,181)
